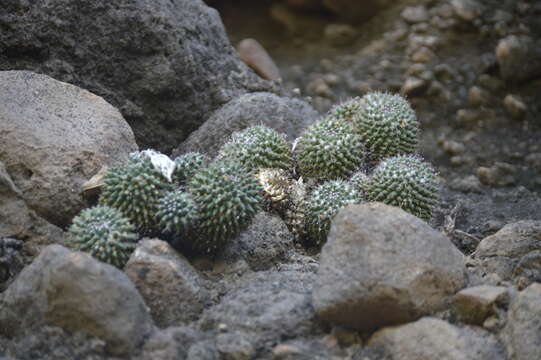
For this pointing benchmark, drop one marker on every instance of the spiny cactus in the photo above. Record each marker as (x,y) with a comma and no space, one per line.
(387,124)
(228,197)
(275,184)
(323,205)
(360,180)
(187,165)
(329,150)
(177,212)
(258,147)
(345,111)
(104,233)
(405,181)
(134,188)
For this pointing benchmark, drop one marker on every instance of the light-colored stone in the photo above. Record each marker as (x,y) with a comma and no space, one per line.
(382,266)
(522,334)
(431,338)
(475,304)
(256,57)
(515,106)
(415,14)
(170,286)
(467,10)
(78,293)
(54,137)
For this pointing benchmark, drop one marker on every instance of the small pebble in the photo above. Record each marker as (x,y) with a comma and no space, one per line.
(515,106)
(256,57)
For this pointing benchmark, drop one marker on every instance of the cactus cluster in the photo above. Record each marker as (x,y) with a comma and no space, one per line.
(407,182)
(228,198)
(258,147)
(135,188)
(363,150)
(104,233)
(329,150)
(323,205)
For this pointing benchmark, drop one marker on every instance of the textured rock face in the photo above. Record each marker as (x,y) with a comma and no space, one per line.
(382,266)
(286,115)
(265,307)
(54,137)
(77,293)
(475,304)
(522,333)
(431,338)
(171,287)
(164,64)
(513,253)
(265,243)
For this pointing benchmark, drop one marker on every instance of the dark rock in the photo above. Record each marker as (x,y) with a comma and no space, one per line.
(170,286)
(286,115)
(11,262)
(265,243)
(357,11)
(382,266)
(430,338)
(265,307)
(522,334)
(56,136)
(165,64)
(77,293)
(513,253)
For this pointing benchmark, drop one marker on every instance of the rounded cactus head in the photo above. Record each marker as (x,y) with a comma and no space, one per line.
(387,124)
(104,233)
(187,165)
(346,110)
(329,150)
(360,181)
(323,205)
(258,147)
(177,212)
(134,188)
(405,181)
(228,197)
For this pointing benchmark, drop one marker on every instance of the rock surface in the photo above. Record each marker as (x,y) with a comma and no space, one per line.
(513,253)
(165,64)
(265,243)
(431,338)
(54,137)
(382,266)
(519,58)
(170,286)
(285,115)
(522,333)
(475,304)
(77,293)
(264,307)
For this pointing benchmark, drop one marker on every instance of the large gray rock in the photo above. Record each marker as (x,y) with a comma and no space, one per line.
(431,338)
(513,253)
(54,137)
(265,243)
(474,304)
(264,307)
(18,221)
(77,293)
(286,115)
(522,334)
(169,344)
(382,266)
(165,64)
(171,287)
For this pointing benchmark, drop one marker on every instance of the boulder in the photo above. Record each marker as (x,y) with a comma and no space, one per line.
(286,115)
(77,293)
(513,253)
(54,137)
(522,333)
(382,266)
(170,286)
(431,338)
(165,64)
(169,344)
